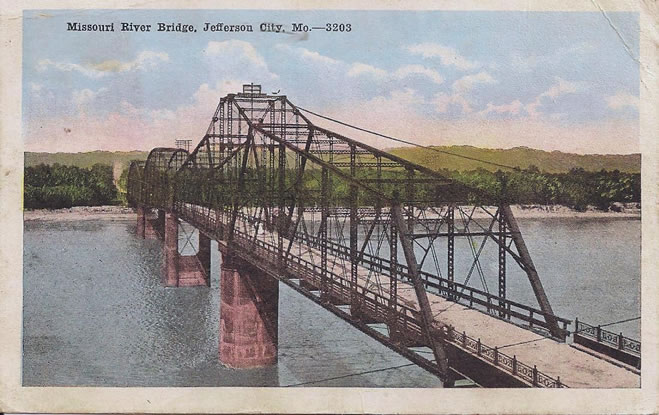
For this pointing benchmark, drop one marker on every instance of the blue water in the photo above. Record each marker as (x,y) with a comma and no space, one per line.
(96,314)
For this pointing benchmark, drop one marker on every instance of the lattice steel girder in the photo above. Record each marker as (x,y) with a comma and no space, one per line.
(274,170)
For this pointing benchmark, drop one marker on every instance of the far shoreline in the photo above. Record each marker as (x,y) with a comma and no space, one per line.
(79,213)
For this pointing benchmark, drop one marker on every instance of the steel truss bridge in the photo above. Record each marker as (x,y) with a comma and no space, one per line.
(372,238)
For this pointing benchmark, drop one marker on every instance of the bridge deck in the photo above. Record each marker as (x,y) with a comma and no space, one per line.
(576,369)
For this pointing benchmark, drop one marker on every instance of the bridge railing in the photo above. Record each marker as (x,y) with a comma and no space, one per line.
(609,338)
(503,361)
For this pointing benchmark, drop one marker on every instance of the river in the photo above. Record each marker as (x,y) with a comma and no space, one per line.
(96,314)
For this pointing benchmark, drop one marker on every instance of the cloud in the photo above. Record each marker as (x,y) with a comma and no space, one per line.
(467,83)
(559,88)
(622,100)
(513,108)
(362,69)
(358,69)
(384,114)
(562,87)
(145,60)
(239,60)
(408,70)
(85,96)
(447,55)
(308,55)
(235,47)
(126,127)
(129,127)
(443,102)
(44,64)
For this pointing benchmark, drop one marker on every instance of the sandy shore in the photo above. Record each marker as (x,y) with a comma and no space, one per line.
(80,213)
(558,211)
(126,213)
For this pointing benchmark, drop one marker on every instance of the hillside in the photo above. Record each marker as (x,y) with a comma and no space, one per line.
(550,162)
(85,160)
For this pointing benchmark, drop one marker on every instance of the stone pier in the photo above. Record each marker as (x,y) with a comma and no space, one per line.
(249,313)
(180,270)
(151,226)
(141,219)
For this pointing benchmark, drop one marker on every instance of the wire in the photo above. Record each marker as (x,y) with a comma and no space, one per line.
(422,351)
(621,321)
(351,374)
(400,140)
(574,332)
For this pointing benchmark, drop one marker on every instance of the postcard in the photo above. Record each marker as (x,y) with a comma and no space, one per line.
(351,207)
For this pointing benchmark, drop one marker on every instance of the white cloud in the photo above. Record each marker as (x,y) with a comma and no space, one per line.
(561,87)
(235,47)
(467,83)
(139,128)
(621,100)
(512,108)
(44,64)
(308,55)
(358,69)
(443,101)
(363,69)
(384,114)
(85,96)
(407,70)
(128,126)
(447,55)
(238,60)
(145,60)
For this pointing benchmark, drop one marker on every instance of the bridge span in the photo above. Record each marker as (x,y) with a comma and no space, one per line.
(368,236)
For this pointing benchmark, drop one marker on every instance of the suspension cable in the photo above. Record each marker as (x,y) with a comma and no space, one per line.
(400,140)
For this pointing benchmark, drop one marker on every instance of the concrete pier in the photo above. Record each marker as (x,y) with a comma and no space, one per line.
(249,313)
(141,218)
(151,227)
(179,270)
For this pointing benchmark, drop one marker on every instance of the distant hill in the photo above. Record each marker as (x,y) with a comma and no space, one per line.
(85,159)
(523,157)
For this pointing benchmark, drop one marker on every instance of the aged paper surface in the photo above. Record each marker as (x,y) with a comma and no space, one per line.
(572,91)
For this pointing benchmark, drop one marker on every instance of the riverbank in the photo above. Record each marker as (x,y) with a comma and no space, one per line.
(520,211)
(77,213)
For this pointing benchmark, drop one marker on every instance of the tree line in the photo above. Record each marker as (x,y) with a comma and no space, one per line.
(576,189)
(60,186)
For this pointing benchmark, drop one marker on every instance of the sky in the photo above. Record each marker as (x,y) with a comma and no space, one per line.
(566,81)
